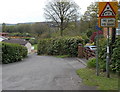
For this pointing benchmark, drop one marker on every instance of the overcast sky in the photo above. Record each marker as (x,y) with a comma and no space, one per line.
(20,11)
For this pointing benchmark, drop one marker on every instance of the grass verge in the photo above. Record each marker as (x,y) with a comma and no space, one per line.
(62,56)
(89,78)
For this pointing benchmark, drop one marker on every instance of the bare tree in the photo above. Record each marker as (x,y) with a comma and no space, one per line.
(61,12)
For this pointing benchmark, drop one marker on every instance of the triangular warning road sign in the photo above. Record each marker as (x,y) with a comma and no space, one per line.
(107,11)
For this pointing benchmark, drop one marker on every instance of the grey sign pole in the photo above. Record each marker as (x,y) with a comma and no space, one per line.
(97,64)
(107,58)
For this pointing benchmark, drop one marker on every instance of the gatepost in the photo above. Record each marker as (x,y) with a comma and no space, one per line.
(80,51)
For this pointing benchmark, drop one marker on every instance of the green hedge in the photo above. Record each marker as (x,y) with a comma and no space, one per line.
(59,46)
(115,55)
(115,64)
(13,52)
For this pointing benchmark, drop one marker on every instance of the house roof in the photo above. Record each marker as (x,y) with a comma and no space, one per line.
(2,38)
(17,41)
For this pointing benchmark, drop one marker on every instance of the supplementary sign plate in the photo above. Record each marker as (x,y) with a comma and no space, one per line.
(108,22)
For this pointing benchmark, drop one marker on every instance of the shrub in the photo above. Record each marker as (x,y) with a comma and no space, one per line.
(91,63)
(115,64)
(33,41)
(13,52)
(42,46)
(115,56)
(59,46)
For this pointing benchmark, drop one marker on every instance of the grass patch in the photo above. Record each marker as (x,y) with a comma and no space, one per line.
(62,56)
(89,78)
(35,47)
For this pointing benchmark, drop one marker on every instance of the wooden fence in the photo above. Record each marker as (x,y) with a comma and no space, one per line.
(85,52)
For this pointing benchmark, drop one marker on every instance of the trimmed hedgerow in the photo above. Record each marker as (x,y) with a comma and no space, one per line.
(59,46)
(115,64)
(13,52)
(115,56)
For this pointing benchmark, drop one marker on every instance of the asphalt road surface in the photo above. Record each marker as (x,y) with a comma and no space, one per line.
(43,73)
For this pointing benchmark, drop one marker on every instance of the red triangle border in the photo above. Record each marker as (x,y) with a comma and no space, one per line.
(104,9)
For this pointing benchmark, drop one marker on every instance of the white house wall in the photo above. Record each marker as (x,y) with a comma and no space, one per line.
(28,45)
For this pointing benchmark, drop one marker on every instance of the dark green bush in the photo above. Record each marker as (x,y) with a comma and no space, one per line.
(115,55)
(33,41)
(59,46)
(42,46)
(13,52)
(115,64)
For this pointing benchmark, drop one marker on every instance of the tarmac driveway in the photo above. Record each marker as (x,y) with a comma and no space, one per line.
(43,73)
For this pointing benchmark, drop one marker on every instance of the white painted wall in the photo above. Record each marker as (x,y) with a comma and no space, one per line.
(2,38)
(29,46)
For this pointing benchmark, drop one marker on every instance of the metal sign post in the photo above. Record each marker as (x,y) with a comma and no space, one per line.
(97,64)
(108,55)
(108,12)
(97,43)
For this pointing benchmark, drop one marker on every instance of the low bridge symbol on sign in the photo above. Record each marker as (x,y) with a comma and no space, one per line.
(107,11)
